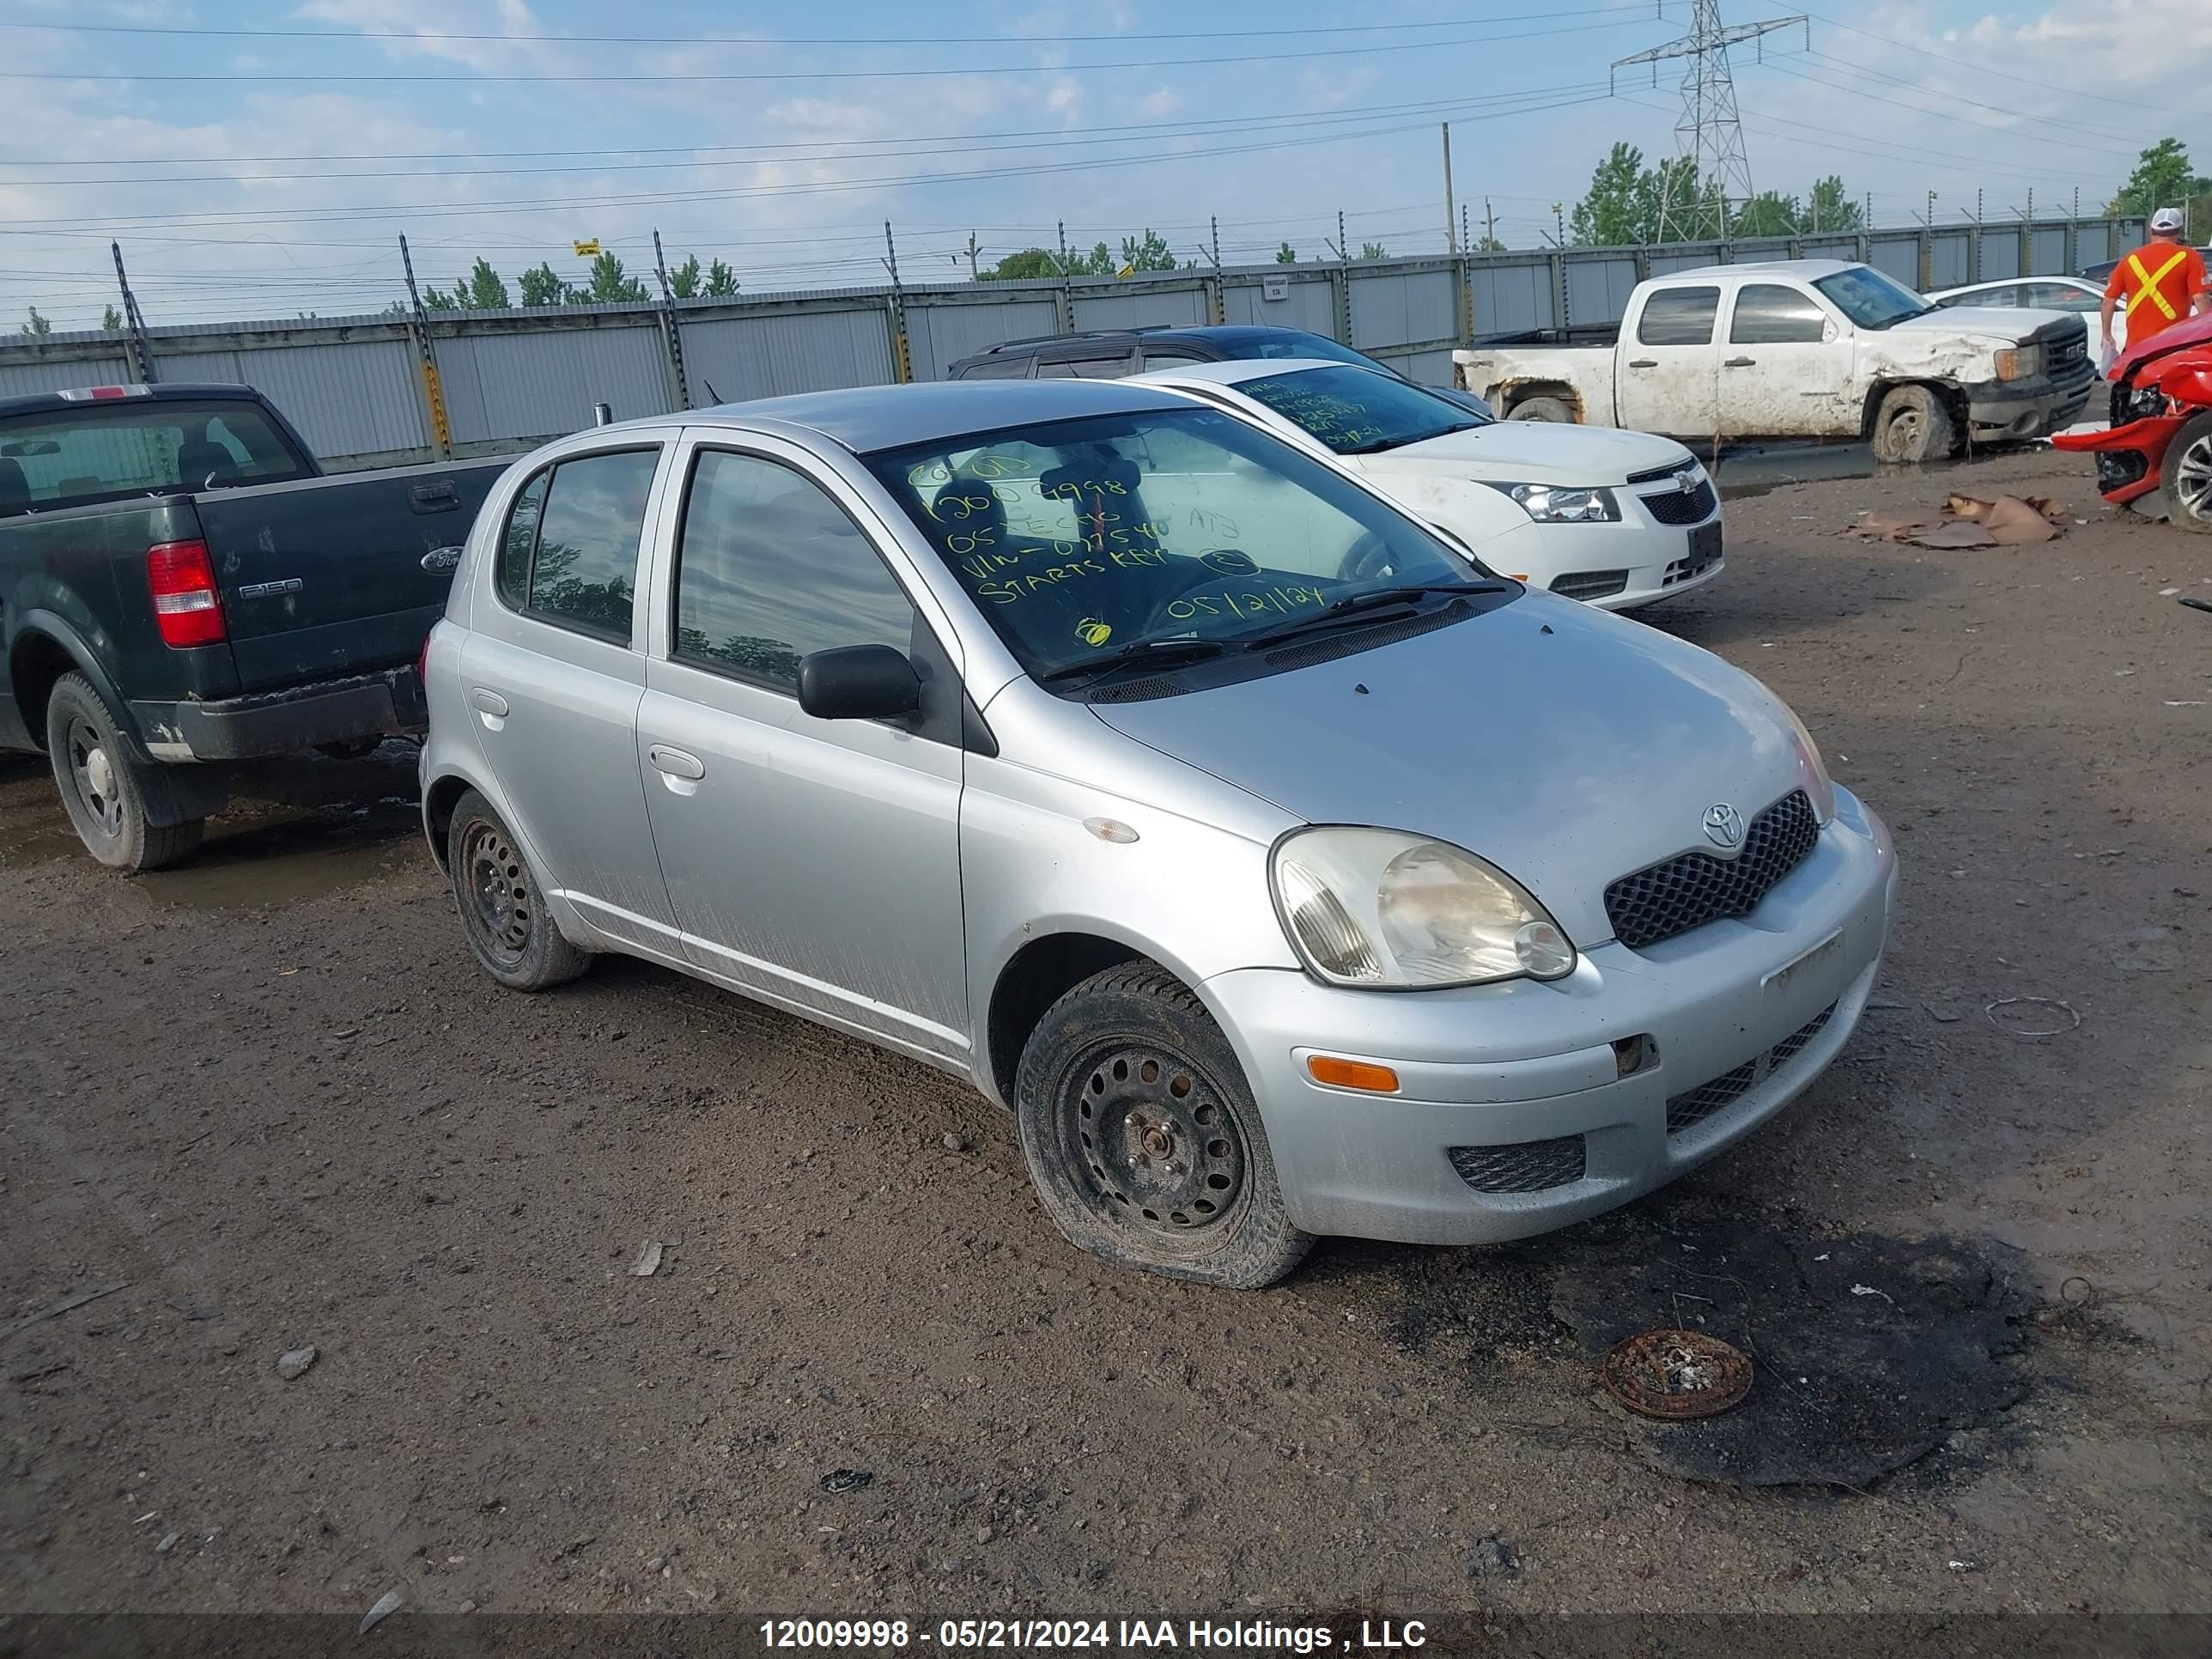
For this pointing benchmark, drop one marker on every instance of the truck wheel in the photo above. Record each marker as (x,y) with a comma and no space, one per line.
(502,906)
(101,784)
(352,749)
(2186,483)
(1543,408)
(1913,425)
(1143,1138)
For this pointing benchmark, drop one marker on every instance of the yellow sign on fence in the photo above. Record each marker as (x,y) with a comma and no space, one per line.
(585,250)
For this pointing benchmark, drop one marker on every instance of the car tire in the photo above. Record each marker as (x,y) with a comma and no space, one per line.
(1910,425)
(2185,480)
(502,905)
(1543,408)
(352,749)
(103,786)
(1143,1138)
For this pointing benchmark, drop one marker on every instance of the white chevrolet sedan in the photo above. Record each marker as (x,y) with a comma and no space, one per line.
(1625,519)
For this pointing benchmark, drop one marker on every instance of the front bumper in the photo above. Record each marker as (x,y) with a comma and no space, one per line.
(1511,1077)
(1636,562)
(383,704)
(2033,406)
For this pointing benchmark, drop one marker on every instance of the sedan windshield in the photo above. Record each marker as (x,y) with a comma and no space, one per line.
(1358,412)
(1870,299)
(1099,541)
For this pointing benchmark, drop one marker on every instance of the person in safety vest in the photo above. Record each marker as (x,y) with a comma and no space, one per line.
(2163,282)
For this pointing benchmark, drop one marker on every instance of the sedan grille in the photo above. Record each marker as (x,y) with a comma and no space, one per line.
(1590,584)
(1676,506)
(1531,1167)
(1696,1105)
(1689,891)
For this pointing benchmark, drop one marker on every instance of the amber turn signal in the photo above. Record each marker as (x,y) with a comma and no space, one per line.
(1352,1074)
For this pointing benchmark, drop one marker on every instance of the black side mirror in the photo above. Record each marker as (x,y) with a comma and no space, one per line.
(858,682)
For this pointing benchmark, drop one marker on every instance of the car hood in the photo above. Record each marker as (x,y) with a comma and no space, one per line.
(2008,323)
(1567,746)
(1532,451)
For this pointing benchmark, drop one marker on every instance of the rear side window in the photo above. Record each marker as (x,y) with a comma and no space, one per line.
(2059,296)
(570,551)
(1767,314)
(1086,369)
(1679,316)
(101,451)
(997,368)
(770,569)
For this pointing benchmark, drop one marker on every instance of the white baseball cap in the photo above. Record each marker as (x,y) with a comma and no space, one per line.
(2166,219)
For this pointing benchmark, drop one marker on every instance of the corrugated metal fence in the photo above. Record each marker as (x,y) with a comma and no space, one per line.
(509,380)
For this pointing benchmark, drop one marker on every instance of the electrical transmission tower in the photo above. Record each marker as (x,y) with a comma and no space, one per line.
(1708,133)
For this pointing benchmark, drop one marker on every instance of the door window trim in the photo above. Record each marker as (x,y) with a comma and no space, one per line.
(1713,323)
(659,448)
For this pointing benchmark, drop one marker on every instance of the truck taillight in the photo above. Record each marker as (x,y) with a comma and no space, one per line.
(186,607)
(422,663)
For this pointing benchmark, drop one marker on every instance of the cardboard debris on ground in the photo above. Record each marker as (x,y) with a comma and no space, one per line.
(1970,521)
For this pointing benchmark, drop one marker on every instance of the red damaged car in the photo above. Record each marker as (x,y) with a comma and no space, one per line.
(2157,457)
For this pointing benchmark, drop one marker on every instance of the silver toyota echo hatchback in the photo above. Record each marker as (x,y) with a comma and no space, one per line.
(1282,868)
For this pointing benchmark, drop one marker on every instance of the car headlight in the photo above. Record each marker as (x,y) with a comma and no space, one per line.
(1386,910)
(1823,791)
(1552,504)
(2020,362)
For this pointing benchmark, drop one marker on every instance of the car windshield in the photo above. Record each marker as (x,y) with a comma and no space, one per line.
(1870,299)
(1171,533)
(1357,412)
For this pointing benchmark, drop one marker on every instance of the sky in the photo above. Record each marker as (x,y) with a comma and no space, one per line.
(260,158)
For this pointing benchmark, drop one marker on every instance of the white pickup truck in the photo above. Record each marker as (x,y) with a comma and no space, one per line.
(1797,349)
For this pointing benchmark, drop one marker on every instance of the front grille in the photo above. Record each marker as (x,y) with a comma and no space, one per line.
(1590,584)
(1531,1167)
(1676,506)
(1695,1105)
(2118,468)
(1689,891)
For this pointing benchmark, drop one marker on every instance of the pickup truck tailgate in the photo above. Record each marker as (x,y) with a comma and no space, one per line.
(335,575)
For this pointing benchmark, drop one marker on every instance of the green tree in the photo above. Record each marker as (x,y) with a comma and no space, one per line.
(683,281)
(1833,209)
(483,290)
(38,326)
(2162,178)
(721,282)
(1373,250)
(1286,255)
(1031,262)
(1617,211)
(543,286)
(1151,253)
(1770,213)
(111,321)
(1099,262)
(609,284)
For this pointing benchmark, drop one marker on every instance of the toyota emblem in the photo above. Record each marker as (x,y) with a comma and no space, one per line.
(1724,826)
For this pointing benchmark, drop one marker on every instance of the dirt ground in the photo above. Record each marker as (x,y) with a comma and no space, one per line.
(270,1097)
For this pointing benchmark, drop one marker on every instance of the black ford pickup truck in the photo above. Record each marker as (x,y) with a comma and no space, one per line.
(180,584)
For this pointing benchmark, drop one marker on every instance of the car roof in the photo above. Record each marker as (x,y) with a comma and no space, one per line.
(1806,269)
(1218,334)
(1237,370)
(37,402)
(2082,282)
(868,418)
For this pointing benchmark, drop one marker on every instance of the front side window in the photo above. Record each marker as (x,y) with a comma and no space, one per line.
(768,568)
(581,565)
(2059,296)
(1081,540)
(1679,316)
(1767,314)
(1355,411)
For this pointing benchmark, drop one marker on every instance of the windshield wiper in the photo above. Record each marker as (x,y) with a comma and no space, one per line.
(1151,653)
(1421,438)
(1353,605)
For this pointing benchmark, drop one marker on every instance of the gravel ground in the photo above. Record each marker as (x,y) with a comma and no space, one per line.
(270,1098)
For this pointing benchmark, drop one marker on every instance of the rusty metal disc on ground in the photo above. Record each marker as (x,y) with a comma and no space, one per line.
(1676,1375)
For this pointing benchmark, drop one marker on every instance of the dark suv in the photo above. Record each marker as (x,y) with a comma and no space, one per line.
(1112,353)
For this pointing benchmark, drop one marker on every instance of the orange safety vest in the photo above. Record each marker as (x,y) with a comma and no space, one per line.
(2158,295)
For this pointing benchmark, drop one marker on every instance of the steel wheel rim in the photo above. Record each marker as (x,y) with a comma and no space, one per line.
(2192,479)
(496,898)
(1904,430)
(93,772)
(1151,1145)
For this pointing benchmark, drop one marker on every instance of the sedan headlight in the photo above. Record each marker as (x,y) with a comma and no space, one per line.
(2020,362)
(1552,504)
(1823,792)
(1385,910)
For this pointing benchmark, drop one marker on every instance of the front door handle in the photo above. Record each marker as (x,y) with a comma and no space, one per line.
(489,701)
(1644,363)
(1740,363)
(675,762)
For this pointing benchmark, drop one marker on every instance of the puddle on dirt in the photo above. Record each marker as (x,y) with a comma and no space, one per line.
(1867,1350)
(1761,470)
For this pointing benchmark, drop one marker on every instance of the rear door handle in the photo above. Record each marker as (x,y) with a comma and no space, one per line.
(487,700)
(1645,362)
(1740,363)
(675,762)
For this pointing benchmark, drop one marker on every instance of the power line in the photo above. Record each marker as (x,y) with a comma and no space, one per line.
(294,78)
(1983,68)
